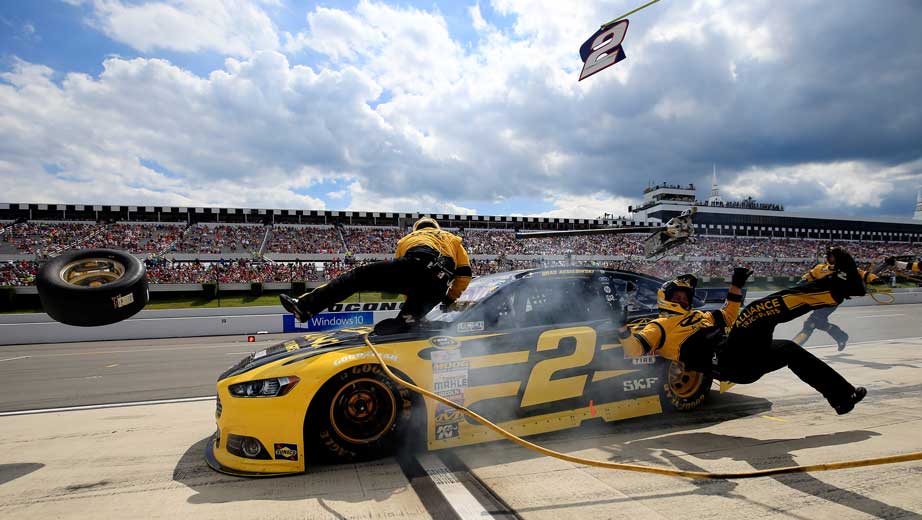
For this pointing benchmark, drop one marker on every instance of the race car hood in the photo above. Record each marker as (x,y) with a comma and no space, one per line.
(313,344)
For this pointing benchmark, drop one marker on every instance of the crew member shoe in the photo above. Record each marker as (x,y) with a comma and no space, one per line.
(847,406)
(291,305)
(842,340)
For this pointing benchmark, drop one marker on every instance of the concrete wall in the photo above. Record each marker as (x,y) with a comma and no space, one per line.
(20,329)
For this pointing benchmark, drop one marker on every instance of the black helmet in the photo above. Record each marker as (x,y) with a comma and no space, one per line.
(684,282)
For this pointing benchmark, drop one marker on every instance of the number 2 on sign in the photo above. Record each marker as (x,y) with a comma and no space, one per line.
(603,49)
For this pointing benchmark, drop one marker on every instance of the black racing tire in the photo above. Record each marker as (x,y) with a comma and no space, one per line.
(682,390)
(92,287)
(359,414)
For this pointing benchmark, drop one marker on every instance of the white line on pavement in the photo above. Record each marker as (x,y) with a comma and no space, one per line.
(14,358)
(461,500)
(109,405)
(866,342)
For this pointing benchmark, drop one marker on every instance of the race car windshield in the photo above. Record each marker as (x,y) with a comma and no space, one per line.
(476,292)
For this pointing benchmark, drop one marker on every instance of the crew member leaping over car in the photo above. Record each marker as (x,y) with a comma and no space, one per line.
(431,267)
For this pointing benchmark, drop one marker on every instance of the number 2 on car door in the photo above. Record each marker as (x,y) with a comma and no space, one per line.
(540,388)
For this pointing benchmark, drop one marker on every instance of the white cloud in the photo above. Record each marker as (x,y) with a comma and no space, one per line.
(405,49)
(828,185)
(586,206)
(258,133)
(364,200)
(413,119)
(229,27)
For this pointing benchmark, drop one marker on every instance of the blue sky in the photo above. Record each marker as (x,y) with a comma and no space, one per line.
(462,107)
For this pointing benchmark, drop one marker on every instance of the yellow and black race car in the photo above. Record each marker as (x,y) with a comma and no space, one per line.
(535,351)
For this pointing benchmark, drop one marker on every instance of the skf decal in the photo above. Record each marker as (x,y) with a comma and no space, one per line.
(291,346)
(632,385)
(285,451)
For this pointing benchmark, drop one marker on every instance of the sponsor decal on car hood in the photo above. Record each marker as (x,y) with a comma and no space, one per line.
(314,343)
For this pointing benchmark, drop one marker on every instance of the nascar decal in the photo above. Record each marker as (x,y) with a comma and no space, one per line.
(444,342)
(285,451)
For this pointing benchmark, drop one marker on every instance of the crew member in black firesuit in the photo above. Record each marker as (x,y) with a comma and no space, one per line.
(820,317)
(748,351)
(431,267)
(909,265)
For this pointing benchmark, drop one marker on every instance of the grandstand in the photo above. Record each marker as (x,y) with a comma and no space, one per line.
(241,245)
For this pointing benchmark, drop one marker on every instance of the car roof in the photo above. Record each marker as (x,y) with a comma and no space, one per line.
(506,277)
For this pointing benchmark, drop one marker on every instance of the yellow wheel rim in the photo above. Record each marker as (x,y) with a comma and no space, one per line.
(683,383)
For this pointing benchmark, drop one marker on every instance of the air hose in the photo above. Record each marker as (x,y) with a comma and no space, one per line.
(892,459)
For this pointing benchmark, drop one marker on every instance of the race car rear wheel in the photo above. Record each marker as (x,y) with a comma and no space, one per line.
(92,287)
(681,389)
(360,414)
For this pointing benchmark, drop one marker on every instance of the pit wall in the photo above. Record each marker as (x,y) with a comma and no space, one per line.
(17,329)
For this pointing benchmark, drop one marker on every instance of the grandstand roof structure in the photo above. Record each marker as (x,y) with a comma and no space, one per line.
(751,217)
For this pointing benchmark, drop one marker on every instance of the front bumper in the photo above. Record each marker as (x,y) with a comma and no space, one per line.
(278,425)
(214,464)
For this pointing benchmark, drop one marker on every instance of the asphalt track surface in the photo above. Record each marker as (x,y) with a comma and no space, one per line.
(146,461)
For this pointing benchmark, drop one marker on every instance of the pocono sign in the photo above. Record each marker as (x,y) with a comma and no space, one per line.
(343,315)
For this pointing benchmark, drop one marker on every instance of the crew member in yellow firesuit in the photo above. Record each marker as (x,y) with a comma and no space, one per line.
(820,317)
(431,267)
(748,351)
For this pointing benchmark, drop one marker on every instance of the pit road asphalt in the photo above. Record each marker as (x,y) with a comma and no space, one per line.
(146,461)
(100,372)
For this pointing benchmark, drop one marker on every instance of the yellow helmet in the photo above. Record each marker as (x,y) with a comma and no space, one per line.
(425,222)
(684,282)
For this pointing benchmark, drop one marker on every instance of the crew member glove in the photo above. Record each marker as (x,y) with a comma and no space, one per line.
(446,304)
(740,275)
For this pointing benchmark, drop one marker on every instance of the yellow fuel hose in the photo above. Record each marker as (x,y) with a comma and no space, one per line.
(634,467)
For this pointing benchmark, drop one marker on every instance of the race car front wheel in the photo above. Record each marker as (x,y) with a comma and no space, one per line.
(681,389)
(360,414)
(91,287)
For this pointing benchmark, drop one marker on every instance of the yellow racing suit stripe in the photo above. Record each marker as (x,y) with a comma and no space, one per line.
(817,299)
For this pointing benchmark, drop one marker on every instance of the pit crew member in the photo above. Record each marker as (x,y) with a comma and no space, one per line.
(748,351)
(909,265)
(820,317)
(431,267)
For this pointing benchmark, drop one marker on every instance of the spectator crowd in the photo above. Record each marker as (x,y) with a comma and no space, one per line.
(492,250)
